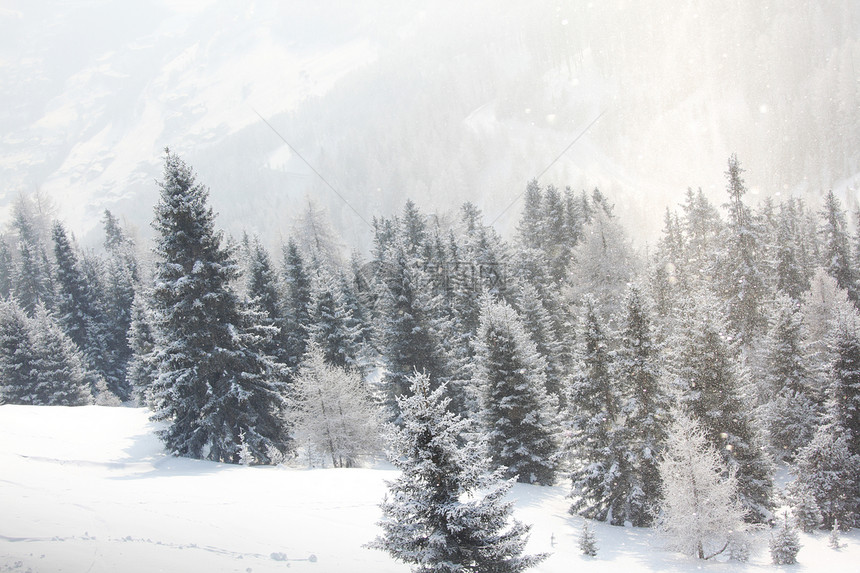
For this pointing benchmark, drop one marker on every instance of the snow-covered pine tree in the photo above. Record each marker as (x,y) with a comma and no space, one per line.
(142,369)
(539,325)
(16,355)
(121,279)
(7,269)
(836,248)
(644,408)
(298,302)
(828,466)
(599,469)
(827,470)
(446,512)
(518,416)
(700,513)
(408,341)
(587,541)
(332,329)
(789,412)
(213,380)
(792,275)
(263,293)
(706,370)
(785,545)
(335,415)
(804,506)
(740,265)
(59,375)
(32,280)
(73,299)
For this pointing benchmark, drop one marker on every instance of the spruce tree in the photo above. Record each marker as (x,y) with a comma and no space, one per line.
(446,512)
(16,355)
(263,293)
(213,381)
(332,328)
(409,343)
(790,413)
(298,302)
(741,272)
(142,369)
(836,248)
(600,471)
(644,408)
(785,545)
(518,416)
(59,374)
(707,371)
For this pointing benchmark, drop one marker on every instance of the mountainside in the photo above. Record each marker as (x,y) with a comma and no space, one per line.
(441,103)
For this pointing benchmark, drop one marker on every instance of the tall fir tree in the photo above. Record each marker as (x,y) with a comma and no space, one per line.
(214,383)
(600,472)
(706,369)
(16,354)
(59,375)
(645,406)
(789,411)
(519,417)
(298,300)
(409,343)
(446,512)
(142,369)
(836,248)
(742,276)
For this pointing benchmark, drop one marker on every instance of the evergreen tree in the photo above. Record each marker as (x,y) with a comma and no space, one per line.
(142,369)
(789,413)
(644,408)
(706,369)
(741,272)
(587,541)
(7,269)
(59,374)
(263,293)
(517,414)
(785,545)
(446,512)
(298,302)
(538,323)
(213,381)
(792,277)
(836,253)
(700,515)
(828,471)
(600,470)
(407,338)
(16,355)
(332,328)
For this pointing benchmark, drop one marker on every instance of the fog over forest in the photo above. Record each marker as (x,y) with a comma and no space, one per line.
(440,102)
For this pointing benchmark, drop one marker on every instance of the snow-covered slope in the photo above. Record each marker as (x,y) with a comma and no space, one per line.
(90,489)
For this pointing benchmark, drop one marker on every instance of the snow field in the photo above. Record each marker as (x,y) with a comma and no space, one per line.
(90,489)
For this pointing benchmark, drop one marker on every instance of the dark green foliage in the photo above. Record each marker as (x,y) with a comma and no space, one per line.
(214,382)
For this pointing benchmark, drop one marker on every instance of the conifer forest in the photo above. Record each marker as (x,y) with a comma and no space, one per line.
(664,387)
(429,287)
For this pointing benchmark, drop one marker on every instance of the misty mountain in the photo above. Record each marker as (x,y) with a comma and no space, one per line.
(439,102)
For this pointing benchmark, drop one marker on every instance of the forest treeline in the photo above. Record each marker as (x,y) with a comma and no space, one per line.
(734,342)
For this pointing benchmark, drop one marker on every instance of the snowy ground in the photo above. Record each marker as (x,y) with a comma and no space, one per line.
(89,489)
